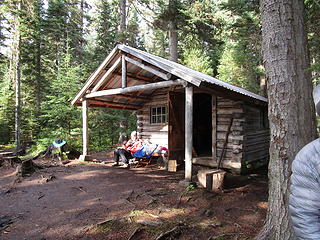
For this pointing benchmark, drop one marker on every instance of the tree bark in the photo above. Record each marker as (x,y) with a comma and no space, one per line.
(123,17)
(173,41)
(291,111)
(173,31)
(17,71)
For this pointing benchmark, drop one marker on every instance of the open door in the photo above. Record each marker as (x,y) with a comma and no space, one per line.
(176,126)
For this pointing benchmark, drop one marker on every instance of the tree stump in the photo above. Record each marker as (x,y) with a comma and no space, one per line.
(27,167)
(212,180)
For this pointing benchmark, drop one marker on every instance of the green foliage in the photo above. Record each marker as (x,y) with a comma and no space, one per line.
(6,108)
(240,62)
(106,25)
(239,68)
(60,118)
(62,44)
(190,188)
(197,60)
(313,29)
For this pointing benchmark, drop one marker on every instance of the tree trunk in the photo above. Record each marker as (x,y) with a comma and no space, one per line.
(173,31)
(291,111)
(17,72)
(38,78)
(123,17)
(18,97)
(173,41)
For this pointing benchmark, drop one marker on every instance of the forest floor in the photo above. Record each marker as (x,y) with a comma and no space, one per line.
(97,201)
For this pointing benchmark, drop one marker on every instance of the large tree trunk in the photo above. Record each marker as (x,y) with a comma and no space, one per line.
(173,31)
(173,41)
(123,17)
(16,71)
(291,111)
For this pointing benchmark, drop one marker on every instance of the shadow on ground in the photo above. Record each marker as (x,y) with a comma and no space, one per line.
(69,202)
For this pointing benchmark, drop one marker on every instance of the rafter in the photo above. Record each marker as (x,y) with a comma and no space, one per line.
(137,88)
(107,74)
(113,104)
(165,76)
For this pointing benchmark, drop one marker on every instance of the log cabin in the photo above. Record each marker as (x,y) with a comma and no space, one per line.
(200,119)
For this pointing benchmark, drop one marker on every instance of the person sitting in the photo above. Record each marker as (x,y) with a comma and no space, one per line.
(124,153)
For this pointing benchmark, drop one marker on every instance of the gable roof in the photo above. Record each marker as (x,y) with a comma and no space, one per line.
(180,71)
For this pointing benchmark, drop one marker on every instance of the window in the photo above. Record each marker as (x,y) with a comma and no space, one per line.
(158,115)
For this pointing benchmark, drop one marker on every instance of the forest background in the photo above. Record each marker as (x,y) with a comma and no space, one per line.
(53,46)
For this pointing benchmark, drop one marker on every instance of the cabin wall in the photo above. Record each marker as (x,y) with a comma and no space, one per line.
(156,133)
(256,139)
(226,109)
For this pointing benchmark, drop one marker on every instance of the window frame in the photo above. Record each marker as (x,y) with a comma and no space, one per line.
(158,112)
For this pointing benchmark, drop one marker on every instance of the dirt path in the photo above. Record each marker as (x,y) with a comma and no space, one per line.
(66,202)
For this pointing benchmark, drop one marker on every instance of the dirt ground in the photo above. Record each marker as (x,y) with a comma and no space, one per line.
(97,201)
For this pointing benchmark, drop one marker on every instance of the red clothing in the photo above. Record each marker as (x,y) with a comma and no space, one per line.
(133,146)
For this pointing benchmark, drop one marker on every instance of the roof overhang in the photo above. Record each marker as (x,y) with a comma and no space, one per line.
(128,77)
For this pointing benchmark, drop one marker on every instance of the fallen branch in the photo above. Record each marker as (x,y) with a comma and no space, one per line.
(107,221)
(174,232)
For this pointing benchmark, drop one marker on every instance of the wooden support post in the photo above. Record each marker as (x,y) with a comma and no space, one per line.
(214,128)
(124,71)
(84,155)
(188,133)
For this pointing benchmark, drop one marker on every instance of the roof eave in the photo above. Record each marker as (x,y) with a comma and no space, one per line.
(92,77)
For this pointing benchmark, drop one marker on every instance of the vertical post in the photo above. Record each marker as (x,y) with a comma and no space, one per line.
(188,133)
(84,130)
(214,128)
(124,71)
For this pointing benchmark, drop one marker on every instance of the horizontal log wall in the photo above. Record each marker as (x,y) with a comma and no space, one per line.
(226,109)
(156,133)
(256,139)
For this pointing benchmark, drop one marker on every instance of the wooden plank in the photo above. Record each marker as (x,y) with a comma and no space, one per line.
(131,97)
(229,110)
(111,107)
(188,133)
(84,127)
(143,87)
(151,128)
(225,143)
(107,74)
(113,104)
(227,163)
(224,128)
(124,72)
(165,76)
(214,127)
(93,76)
(137,77)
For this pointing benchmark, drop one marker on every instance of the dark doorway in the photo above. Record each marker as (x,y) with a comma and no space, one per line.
(202,124)
(176,123)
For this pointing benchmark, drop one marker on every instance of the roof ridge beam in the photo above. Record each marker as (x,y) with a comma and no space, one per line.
(143,87)
(165,76)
